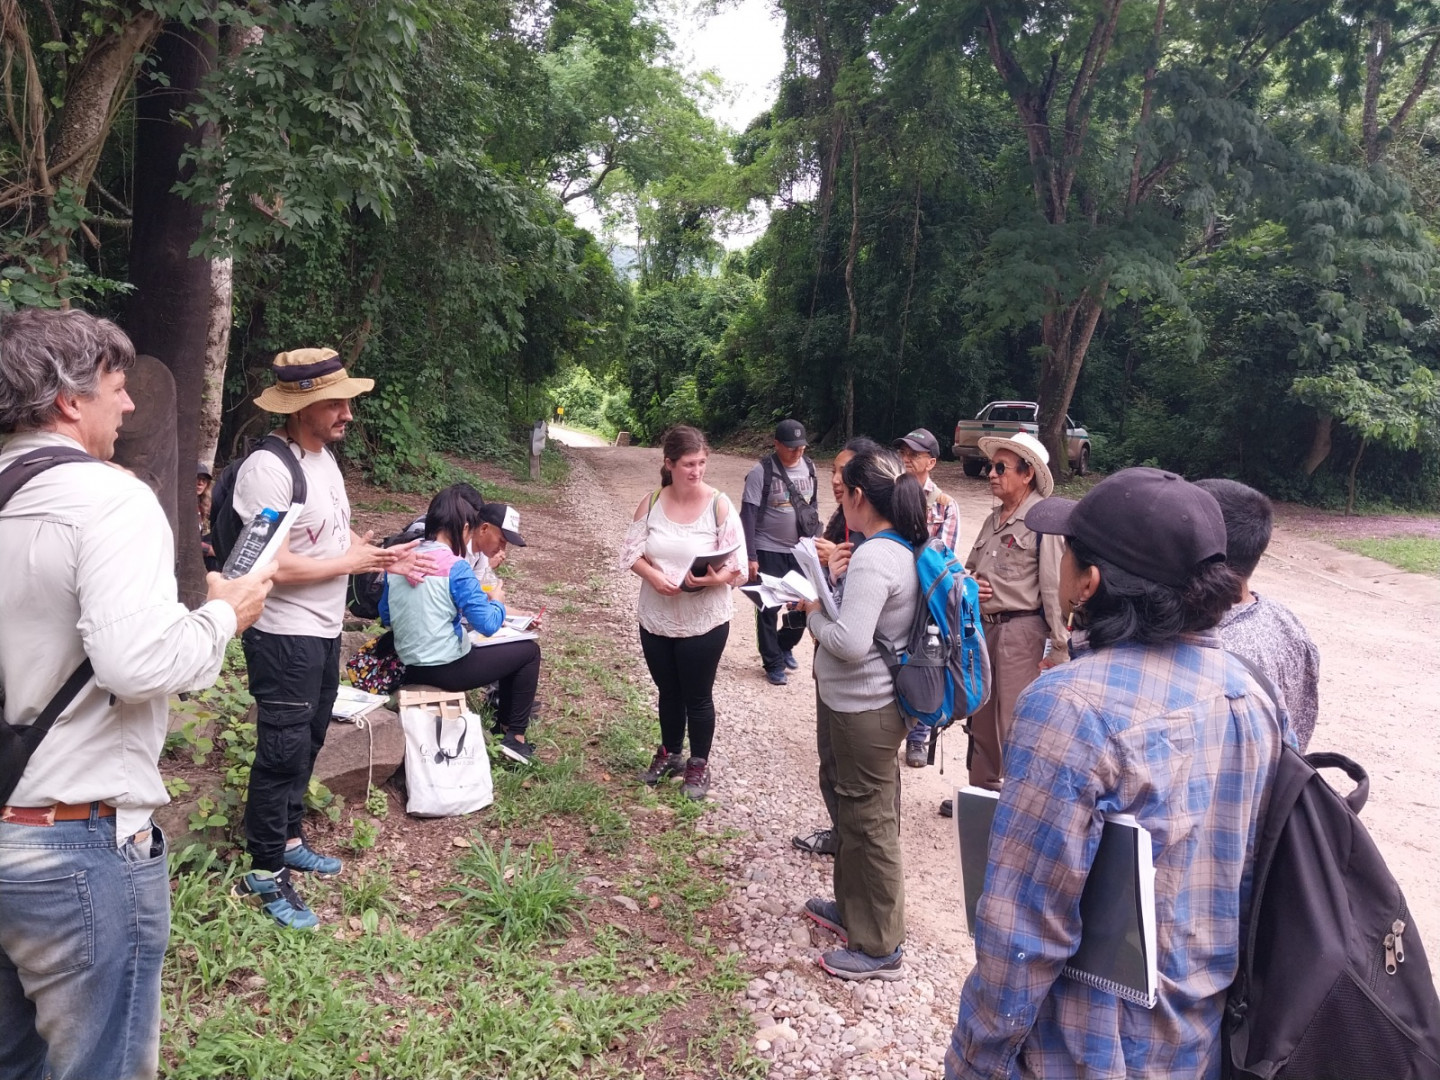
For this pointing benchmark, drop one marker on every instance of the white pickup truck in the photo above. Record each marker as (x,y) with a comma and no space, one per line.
(1005,418)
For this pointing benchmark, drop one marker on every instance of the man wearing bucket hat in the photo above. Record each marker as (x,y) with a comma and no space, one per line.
(1019,576)
(1152,718)
(293,651)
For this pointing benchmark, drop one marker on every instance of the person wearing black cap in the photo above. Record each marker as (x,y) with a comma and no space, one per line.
(1152,718)
(425,612)
(920,451)
(777,508)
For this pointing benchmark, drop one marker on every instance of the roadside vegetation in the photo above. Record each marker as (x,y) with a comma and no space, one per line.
(1417,554)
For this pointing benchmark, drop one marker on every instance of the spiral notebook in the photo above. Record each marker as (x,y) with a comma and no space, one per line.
(1117,952)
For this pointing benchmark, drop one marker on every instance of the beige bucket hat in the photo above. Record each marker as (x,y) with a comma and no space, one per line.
(305,376)
(1028,448)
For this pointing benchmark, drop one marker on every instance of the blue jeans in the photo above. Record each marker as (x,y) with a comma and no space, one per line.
(83,930)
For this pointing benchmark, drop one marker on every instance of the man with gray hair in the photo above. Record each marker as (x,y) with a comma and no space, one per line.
(93,638)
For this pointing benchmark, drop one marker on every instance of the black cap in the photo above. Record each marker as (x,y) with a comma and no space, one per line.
(1148,522)
(791,433)
(505,518)
(919,440)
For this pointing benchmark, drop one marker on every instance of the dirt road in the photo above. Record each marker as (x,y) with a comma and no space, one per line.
(1374,626)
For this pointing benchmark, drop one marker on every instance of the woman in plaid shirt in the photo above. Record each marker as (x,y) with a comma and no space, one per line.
(1153,719)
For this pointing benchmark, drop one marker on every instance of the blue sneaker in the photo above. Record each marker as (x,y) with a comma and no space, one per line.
(777,677)
(826,913)
(305,860)
(855,965)
(790,662)
(277,898)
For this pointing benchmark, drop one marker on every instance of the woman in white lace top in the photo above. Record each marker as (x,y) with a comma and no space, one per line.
(684,619)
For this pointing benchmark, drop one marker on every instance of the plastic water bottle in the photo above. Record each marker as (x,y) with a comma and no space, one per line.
(250,543)
(932,640)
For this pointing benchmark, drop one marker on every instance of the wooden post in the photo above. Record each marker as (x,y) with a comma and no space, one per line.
(537,444)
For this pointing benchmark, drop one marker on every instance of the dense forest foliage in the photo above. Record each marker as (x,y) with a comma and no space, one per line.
(1204,228)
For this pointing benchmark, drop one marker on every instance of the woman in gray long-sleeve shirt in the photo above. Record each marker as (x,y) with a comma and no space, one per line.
(857,703)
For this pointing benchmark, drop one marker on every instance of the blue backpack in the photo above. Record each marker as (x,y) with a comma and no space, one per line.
(943,672)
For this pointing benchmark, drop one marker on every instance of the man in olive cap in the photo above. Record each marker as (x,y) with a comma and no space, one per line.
(293,651)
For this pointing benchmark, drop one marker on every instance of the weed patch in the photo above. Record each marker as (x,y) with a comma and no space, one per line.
(1416,554)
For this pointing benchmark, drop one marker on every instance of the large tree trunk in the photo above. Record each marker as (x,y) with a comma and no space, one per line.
(1320,442)
(169,313)
(1066,333)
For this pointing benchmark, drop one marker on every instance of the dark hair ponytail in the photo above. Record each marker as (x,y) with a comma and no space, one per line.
(452,511)
(679,441)
(897,497)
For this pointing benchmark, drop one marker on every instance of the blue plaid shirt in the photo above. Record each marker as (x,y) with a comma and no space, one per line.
(1180,736)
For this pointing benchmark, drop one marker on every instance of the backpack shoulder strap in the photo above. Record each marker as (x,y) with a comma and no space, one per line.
(299,490)
(767,476)
(12,479)
(30,465)
(814,487)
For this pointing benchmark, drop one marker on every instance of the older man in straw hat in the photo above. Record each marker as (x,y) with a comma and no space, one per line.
(293,651)
(1019,576)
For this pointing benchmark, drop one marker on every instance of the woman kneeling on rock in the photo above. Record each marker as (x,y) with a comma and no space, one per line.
(857,705)
(684,619)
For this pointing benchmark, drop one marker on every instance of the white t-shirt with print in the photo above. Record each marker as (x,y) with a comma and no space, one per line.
(322,531)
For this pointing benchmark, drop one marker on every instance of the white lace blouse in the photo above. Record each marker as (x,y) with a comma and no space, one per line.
(671,548)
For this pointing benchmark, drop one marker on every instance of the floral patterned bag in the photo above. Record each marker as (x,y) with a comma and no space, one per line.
(375,667)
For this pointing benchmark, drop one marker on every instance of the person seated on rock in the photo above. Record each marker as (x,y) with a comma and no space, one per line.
(425,614)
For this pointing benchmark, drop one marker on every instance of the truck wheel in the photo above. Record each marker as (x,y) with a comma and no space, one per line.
(972,467)
(1082,467)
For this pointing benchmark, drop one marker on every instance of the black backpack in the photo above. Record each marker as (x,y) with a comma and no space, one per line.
(1333,980)
(225,523)
(362,596)
(807,514)
(17,741)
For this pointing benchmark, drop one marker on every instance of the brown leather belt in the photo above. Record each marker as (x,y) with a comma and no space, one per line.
(48,815)
(1006,616)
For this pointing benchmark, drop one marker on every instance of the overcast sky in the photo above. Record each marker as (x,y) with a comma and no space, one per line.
(742,45)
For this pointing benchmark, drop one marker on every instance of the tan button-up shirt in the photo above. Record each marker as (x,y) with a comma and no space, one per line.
(1023,569)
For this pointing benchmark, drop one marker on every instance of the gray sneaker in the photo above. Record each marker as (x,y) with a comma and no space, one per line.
(663,764)
(826,913)
(697,778)
(855,965)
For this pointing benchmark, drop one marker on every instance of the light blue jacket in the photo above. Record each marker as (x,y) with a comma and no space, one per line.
(426,616)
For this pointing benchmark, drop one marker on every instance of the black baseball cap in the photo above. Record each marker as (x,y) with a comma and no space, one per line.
(791,433)
(505,518)
(921,441)
(1148,522)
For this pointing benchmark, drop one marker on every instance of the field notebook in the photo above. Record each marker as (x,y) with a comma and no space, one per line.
(1117,952)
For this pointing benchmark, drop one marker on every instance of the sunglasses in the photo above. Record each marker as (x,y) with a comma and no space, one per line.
(999,467)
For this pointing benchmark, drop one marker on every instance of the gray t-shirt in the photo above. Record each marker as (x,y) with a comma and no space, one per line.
(775,528)
(322,531)
(1268,634)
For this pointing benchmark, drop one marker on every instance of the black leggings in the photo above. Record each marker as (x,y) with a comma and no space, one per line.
(684,673)
(515,665)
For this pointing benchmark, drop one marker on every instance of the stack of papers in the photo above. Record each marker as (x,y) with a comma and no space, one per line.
(809,560)
(504,634)
(773,592)
(352,703)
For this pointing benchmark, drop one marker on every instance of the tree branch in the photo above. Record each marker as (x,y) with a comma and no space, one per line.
(1421,84)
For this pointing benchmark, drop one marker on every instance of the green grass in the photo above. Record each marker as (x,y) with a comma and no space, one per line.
(1417,554)
(523,975)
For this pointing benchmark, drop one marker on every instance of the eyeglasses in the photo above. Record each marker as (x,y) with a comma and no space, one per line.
(999,467)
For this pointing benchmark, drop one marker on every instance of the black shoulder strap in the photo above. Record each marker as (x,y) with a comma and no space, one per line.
(299,490)
(767,465)
(12,479)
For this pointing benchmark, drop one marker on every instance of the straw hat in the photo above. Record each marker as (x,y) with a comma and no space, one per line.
(305,376)
(1029,449)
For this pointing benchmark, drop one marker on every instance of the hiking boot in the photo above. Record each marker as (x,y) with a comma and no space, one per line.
(777,677)
(662,765)
(947,807)
(277,898)
(916,753)
(516,750)
(789,661)
(826,913)
(819,842)
(697,778)
(855,965)
(308,861)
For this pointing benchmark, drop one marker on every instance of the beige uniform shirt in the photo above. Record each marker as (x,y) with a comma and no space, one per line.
(1023,569)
